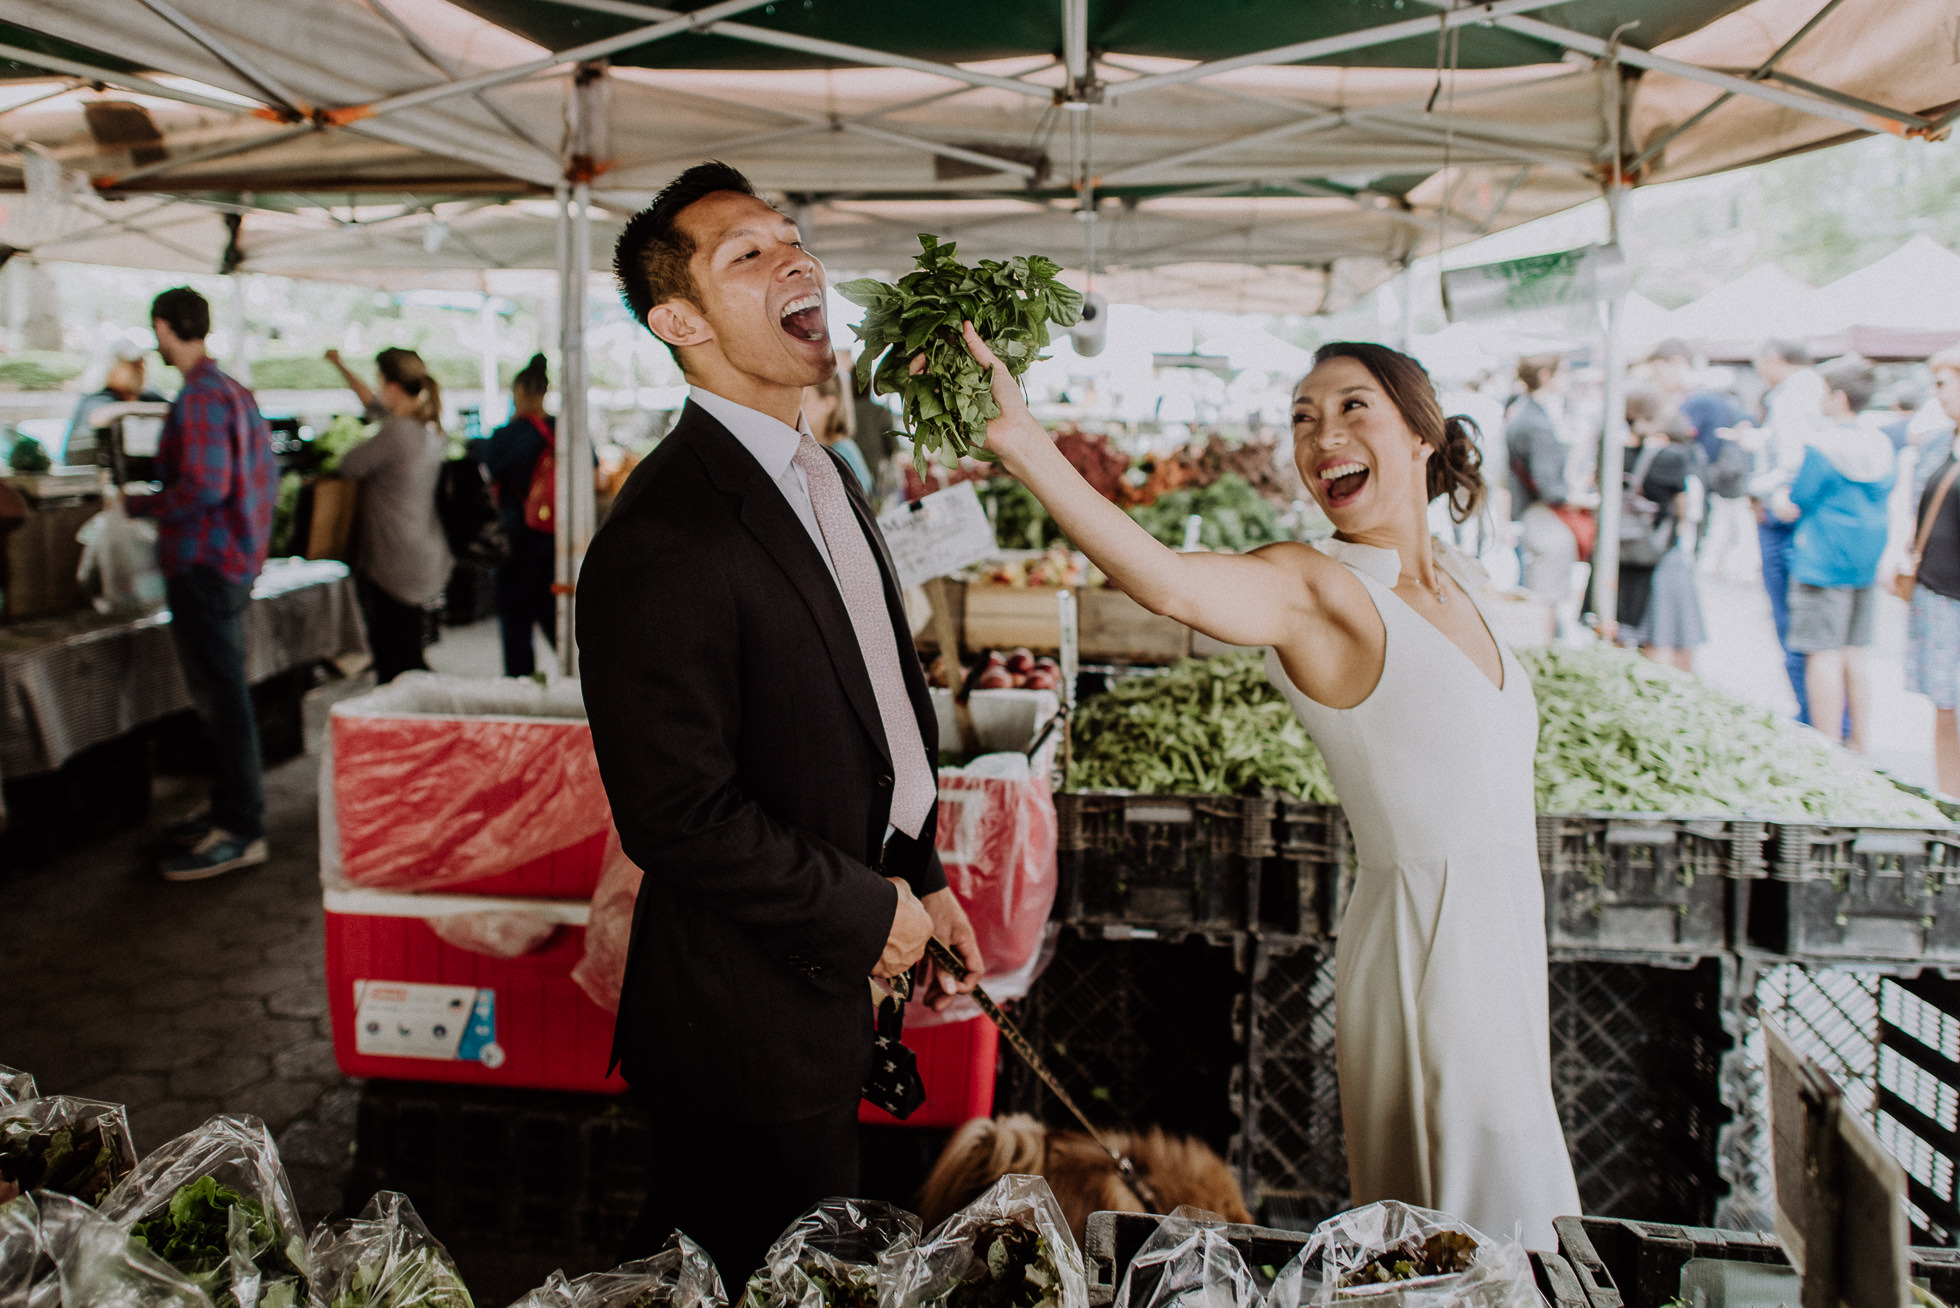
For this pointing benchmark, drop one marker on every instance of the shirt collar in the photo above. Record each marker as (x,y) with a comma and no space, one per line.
(770,442)
(1379,562)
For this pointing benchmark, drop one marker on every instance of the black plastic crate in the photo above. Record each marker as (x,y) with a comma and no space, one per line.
(1873,892)
(1162,860)
(1640,883)
(1304,887)
(1638,1056)
(1113,1240)
(509,1168)
(1626,1264)
(1141,1032)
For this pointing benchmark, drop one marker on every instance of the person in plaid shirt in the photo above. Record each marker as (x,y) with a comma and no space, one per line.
(214,521)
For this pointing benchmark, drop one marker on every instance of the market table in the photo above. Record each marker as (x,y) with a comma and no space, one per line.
(70,682)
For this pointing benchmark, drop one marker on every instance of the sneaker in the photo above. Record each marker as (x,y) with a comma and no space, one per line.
(190,830)
(220,851)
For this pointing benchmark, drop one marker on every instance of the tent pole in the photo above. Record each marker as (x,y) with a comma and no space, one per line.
(1612,442)
(561,576)
(577,466)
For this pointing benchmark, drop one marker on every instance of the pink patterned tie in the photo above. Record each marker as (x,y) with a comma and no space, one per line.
(914,787)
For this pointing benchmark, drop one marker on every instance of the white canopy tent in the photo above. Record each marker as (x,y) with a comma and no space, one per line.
(1174,148)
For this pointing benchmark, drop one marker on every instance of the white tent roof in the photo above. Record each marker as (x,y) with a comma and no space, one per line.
(279,137)
(1915,288)
(1765,301)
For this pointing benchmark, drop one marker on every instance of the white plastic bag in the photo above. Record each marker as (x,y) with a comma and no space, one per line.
(1189,1263)
(66,1145)
(832,1255)
(27,1275)
(385,1258)
(679,1276)
(100,1266)
(224,1175)
(496,935)
(119,563)
(1011,1246)
(1376,1256)
(16,1085)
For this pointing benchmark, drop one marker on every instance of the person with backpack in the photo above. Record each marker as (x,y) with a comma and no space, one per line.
(402,560)
(1836,507)
(520,457)
(1660,602)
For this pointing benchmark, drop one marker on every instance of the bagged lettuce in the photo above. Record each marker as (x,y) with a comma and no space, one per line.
(1189,1262)
(679,1276)
(385,1258)
(69,1146)
(215,1204)
(1395,1255)
(16,1085)
(98,1265)
(1010,1248)
(830,1257)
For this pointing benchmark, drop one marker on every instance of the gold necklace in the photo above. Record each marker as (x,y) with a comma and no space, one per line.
(1442,596)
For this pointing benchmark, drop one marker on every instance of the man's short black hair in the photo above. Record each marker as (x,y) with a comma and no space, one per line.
(187,313)
(1794,353)
(651,259)
(1852,375)
(1674,349)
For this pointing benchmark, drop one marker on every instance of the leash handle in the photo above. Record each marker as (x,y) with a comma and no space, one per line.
(944,957)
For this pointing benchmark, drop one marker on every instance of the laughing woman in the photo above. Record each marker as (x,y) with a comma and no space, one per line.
(1429,728)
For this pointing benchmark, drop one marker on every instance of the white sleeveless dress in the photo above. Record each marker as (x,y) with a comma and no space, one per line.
(1442,1031)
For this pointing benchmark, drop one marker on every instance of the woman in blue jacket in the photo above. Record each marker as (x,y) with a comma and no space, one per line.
(1838,502)
(511,454)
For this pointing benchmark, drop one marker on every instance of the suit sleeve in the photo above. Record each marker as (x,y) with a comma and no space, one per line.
(660,654)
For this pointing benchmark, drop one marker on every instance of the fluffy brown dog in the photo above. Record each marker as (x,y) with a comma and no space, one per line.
(1083,1177)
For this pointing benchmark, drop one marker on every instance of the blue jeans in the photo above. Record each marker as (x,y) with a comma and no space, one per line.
(1775,537)
(524,598)
(207,625)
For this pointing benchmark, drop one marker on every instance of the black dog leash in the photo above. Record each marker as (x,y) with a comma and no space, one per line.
(951,962)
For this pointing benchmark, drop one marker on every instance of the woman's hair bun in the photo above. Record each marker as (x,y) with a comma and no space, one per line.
(1456,469)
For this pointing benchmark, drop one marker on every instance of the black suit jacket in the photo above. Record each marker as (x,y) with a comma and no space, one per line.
(739,739)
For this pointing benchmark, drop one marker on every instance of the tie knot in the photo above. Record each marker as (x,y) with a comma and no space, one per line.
(809,453)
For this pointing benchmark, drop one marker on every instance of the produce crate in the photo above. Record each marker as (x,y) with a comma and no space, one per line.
(1304,887)
(1629,1264)
(1113,1240)
(1189,861)
(958,1063)
(516,1169)
(1870,892)
(405,1004)
(998,617)
(1645,883)
(1142,1032)
(1637,1060)
(1117,628)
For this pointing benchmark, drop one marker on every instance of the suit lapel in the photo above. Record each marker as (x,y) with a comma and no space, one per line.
(769,518)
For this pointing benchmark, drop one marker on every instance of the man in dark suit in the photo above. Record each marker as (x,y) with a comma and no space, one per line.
(766,738)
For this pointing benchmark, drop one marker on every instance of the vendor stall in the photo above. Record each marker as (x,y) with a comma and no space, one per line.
(71,682)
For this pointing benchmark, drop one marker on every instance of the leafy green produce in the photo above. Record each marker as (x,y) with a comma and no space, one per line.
(1235,516)
(283,508)
(1012,1268)
(341,435)
(29,455)
(1010,304)
(193,1233)
(1207,726)
(1020,521)
(1621,734)
(71,1154)
(413,1278)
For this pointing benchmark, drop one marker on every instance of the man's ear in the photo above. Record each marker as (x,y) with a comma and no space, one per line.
(679,324)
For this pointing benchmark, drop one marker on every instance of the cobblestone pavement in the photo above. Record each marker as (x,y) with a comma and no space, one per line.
(185,1000)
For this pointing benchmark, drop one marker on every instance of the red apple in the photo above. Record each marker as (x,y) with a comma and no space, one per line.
(995,678)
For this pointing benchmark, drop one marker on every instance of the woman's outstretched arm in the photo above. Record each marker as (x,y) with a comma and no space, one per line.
(1241,599)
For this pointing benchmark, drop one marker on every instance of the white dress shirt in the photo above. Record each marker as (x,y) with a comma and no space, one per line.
(773,444)
(1792,411)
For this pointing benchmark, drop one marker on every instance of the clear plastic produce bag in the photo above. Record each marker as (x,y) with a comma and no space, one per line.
(1189,1263)
(27,1276)
(679,1276)
(99,1265)
(215,1204)
(494,934)
(16,1085)
(385,1258)
(609,932)
(1010,1248)
(1393,1255)
(78,1147)
(831,1257)
(119,564)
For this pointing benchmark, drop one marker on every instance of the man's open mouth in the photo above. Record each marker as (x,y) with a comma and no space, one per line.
(803,318)
(1342,482)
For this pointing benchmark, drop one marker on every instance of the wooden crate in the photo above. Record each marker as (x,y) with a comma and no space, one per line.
(1118,629)
(1000,617)
(42,557)
(330,531)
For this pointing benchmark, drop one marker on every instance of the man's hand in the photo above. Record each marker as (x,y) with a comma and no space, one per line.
(911,928)
(956,933)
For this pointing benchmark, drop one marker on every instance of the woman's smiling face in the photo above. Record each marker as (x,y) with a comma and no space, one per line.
(1355,451)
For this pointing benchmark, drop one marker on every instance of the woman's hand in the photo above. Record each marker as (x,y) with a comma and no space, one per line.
(1011,435)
